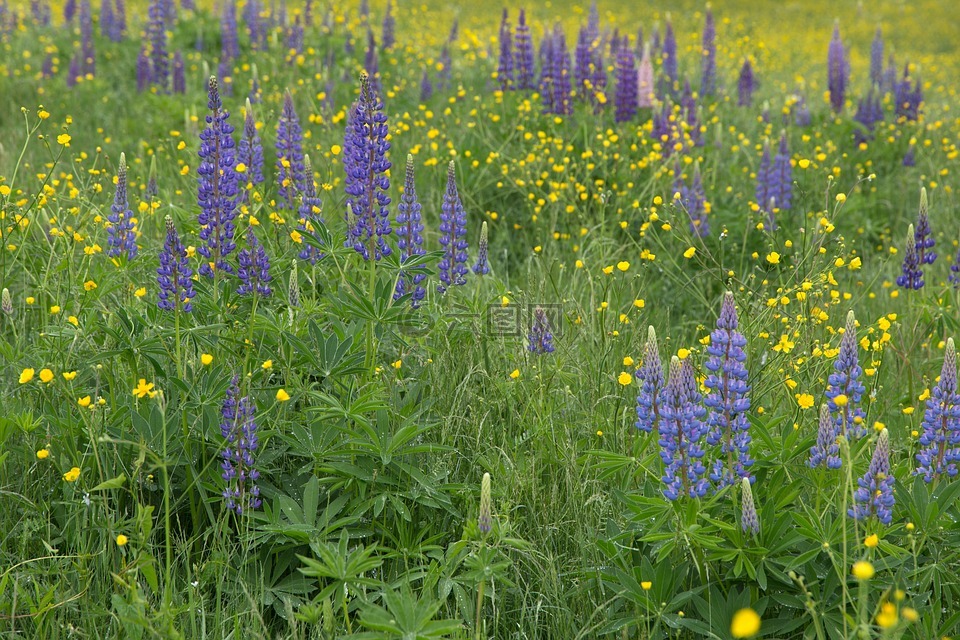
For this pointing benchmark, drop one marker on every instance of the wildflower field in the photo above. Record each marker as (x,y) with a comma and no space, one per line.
(425,320)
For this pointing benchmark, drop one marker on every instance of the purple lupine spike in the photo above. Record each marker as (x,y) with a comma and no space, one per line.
(746,85)
(239,428)
(188,5)
(410,239)
(426,87)
(781,176)
(749,521)
(169,11)
(524,54)
(923,238)
(46,70)
(889,76)
(940,440)
(838,70)
(627,91)
(453,236)
(844,386)
(615,43)
(367,184)
(593,23)
(106,18)
(561,75)
(372,60)
(217,180)
(505,65)
(308,13)
(869,112)
(69,11)
(229,40)
(689,106)
(388,35)
(708,73)
(309,210)
(540,340)
(454,32)
(88,62)
(546,73)
(645,88)
(289,154)
(912,274)
(826,451)
(443,75)
(121,238)
(119,21)
(225,73)
(143,70)
(583,62)
(250,149)
(294,42)
(681,430)
(254,271)
(255,26)
(669,65)
(152,190)
(728,402)
(801,114)
(910,157)
(74,72)
(874,497)
(876,59)
(663,128)
(179,74)
(482,268)
(650,376)
(174,275)
(157,36)
(906,99)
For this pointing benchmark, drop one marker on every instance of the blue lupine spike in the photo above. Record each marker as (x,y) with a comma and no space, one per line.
(290,171)
(524,54)
(650,376)
(540,340)
(845,380)
(681,430)
(410,238)
(121,238)
(254,271)
(940,439)
(453,232)
(749,521)
(923,237)
(217,186)
(368,183)
(174,275)
(874,496)
(309,211)
(239,428)
(727,402)
(826,451)
(838,70)
(912,273)
(708,73)
(481,268)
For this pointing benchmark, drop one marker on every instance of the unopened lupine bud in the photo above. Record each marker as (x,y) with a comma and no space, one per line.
(485,521)
(293,291)
(749,521)
(481,267)
(6,302)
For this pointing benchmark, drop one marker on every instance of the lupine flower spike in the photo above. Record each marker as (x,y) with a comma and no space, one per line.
(250,149)
(254,272)
(6,302)
(940,440)
(485,519)
(368,183)
(923,238)
(954,276)
(453,231)
(410,238)
(239,429)
(708,82)
(727,401)
(650,376)
(218,187)
(309,211)
(845,389)
(838,70)
(541,337)
(174,274)
(681,430)
(121,238)
(874,497)
(749,521)
(290,169)
(912,275)
(481,268)
(826,451)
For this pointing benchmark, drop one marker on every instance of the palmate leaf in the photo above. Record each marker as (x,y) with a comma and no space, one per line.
(339,566)
(406,616)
